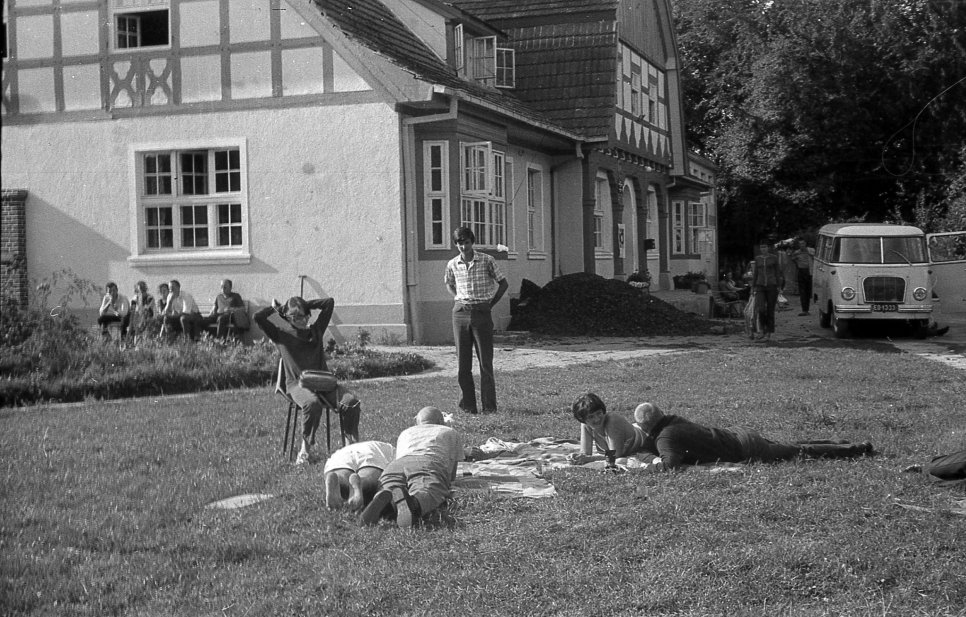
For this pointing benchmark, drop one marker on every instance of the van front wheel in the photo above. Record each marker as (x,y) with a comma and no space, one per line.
(840,327)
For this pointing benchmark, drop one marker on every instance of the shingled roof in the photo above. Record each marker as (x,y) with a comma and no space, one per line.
(566,57)
(373,25)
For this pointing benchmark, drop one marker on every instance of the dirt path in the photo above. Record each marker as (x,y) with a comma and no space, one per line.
(517,351)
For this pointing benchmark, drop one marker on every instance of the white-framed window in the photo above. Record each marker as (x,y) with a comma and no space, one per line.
(436,193)
(483,192)
(651,228)
(190,202)
(678,245)
(459,50)
(489,64)
(150,27)
(506,72)
(534,208)
(697,224)
(602,198)
(635,91)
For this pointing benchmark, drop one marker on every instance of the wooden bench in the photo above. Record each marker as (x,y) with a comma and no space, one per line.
(722,307)
(233,330)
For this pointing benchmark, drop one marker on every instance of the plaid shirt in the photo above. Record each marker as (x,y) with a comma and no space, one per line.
(475,281)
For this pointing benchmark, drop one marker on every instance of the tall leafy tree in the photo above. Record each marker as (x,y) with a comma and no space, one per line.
(818,110)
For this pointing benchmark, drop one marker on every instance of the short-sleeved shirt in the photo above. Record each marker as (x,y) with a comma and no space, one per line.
(439,443)
(355,456)
(802,259)
(475,281)
(626,437)
(225,302)
(182,304)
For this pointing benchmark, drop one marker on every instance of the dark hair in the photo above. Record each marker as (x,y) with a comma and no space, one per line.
(464,233)
(299,303)
(111,284)
(586,404)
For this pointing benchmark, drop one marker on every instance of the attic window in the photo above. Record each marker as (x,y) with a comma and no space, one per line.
(141,29)
(485,62)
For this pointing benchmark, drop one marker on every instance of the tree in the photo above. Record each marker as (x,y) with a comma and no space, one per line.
(821,110)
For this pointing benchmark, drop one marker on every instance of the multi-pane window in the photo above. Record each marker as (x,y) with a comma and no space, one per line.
(677,228)
(602,194)
(191,199)
(534,208)
(483,192)
(698,223)
(479,58)
(436,193)
(141,29)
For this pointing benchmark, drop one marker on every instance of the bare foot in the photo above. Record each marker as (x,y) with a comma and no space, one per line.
(356,501)
(333,492)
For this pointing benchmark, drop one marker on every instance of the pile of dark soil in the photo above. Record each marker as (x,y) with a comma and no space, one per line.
(584,304)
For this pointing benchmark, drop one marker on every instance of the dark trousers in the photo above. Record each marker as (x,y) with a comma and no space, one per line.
(345,403)
(767,299)
(473,330)
(223,321)
(103,320)
(804,287)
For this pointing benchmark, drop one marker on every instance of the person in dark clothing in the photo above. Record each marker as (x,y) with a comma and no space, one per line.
(678,442)
(302,348)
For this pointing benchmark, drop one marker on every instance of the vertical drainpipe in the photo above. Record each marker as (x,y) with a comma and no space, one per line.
(410,232)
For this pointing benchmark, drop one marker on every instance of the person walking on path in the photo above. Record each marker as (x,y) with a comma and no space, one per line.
(802,256)
(767,280)
(477,284)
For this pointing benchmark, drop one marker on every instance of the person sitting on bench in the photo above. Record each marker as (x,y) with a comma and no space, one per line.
(226,311)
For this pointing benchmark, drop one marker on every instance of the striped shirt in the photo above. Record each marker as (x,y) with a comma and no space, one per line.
(475,281)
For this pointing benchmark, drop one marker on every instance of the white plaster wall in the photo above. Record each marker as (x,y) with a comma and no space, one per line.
(324,201)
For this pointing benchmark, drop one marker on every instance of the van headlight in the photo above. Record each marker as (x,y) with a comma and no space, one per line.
(919,294)
(848,293)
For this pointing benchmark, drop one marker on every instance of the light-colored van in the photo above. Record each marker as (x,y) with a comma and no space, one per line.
(872,271)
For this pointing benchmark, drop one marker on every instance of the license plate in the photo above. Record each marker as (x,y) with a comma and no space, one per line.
(885,308)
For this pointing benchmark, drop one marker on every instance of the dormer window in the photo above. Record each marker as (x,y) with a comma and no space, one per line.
(137,29)
(479,58)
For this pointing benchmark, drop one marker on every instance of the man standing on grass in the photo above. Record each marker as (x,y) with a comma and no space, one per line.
(477,284)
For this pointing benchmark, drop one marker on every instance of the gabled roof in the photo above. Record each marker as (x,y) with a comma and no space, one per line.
(371,24)
(566,57)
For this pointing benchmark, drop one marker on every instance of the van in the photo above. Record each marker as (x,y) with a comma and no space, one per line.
(872,272)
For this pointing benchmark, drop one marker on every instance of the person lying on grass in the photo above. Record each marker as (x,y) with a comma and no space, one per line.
(419,480)
(677,442)
(351,474)
(611,434)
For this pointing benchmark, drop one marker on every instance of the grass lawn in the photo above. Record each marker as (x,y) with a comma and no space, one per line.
(103,503)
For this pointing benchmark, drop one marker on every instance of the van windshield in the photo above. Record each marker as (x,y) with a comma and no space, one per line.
(880,250)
